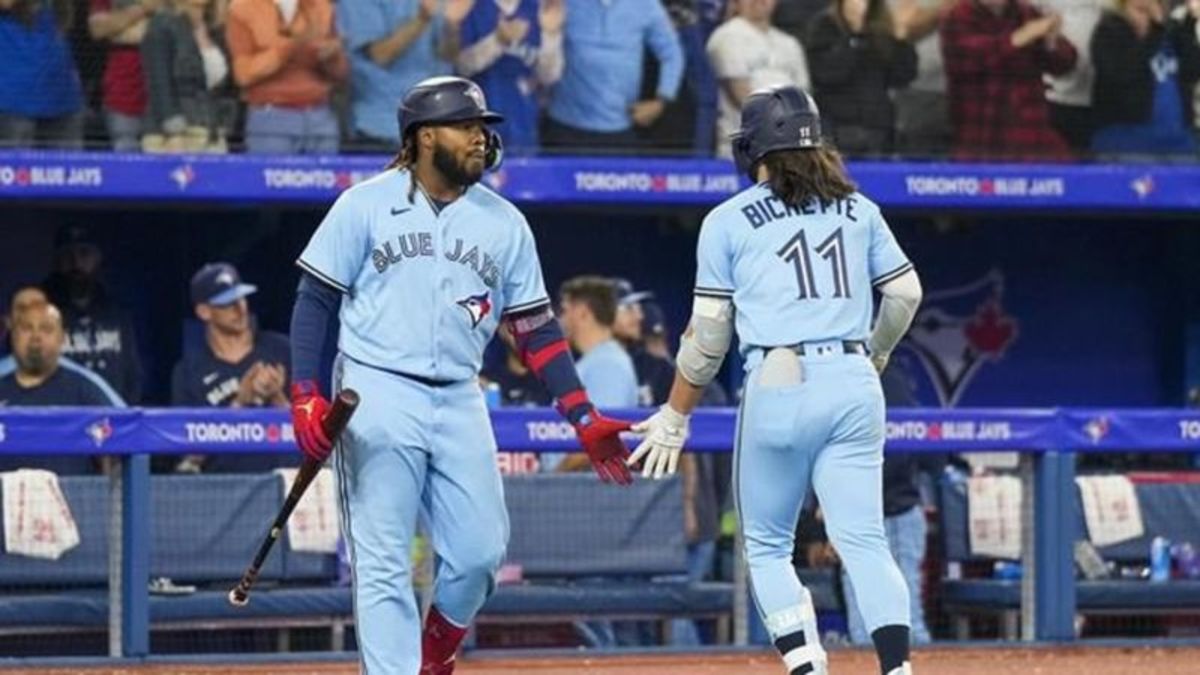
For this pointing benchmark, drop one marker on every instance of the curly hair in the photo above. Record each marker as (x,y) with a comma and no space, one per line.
(799,175)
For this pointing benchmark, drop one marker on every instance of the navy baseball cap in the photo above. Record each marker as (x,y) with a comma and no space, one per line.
(653,320)
(219,284)
(626,295)
(74,235)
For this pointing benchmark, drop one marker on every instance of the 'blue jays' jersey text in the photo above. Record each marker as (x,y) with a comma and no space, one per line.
(425,289)
(796,274)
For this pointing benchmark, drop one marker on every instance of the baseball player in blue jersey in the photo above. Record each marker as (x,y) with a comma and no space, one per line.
(791,264)
(417,267)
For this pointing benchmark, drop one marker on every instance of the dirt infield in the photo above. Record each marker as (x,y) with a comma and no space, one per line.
(947,661)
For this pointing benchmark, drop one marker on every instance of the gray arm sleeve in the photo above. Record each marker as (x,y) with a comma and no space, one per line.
(703,346)
(901,297)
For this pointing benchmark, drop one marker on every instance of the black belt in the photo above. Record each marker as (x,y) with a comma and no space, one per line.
(427,381)
(848,347)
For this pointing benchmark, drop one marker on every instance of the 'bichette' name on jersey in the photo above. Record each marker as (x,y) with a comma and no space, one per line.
(772,208)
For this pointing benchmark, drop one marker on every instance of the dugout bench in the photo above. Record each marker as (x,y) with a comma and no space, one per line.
(1171,510)
(586,550)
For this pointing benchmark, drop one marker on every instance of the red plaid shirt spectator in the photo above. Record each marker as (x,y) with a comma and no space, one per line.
(995,52)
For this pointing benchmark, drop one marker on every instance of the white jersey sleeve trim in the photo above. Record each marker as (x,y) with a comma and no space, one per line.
(888,276)
(713,292)
(525,306)
(324,278)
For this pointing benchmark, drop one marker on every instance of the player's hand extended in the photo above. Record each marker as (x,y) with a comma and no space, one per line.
(600,440)
(309,409)
(666,431)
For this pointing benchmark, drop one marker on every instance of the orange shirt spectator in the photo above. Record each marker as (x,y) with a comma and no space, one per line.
(286,58)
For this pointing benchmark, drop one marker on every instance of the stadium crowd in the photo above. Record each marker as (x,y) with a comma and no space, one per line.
(979,79)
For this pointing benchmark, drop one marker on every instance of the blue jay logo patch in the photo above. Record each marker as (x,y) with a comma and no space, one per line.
(958,330)
(478,306)
(100,432)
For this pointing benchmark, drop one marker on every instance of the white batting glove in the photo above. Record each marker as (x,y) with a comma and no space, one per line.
(666,431)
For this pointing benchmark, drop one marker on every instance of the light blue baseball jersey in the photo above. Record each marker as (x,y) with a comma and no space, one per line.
(608,374)
(796,274)
(425,289)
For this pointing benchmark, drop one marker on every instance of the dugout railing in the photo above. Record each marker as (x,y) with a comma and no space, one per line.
(1046,438)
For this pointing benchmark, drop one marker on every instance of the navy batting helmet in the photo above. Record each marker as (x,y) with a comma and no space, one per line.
(442,100)
(775,118)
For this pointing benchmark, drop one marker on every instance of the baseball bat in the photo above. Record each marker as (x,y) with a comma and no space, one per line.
(335,422)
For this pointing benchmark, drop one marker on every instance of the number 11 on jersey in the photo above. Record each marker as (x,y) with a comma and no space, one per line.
(795,251)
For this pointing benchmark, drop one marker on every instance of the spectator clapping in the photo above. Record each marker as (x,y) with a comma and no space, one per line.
(858,55)
(514,55)
(748,53)
(120,26)
(41,100)
(1146,72)
(187,69)
(996,53)
(286,58)
(392,46)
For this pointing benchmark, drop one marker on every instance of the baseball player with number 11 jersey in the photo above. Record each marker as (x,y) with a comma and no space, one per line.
(791,263)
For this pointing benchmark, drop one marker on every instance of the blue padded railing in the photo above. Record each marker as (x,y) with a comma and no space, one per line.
(95,177)
(1050,435)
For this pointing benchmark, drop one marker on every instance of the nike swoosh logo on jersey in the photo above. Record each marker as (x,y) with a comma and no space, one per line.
(396,211)
(208,379)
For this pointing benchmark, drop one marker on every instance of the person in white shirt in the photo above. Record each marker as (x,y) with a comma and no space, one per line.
(748,53)
(1070,95)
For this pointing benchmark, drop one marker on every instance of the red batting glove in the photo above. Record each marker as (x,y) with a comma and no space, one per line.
(309,409)
(598,436)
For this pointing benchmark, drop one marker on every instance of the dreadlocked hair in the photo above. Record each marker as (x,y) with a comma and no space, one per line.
(406,159)
(799,175)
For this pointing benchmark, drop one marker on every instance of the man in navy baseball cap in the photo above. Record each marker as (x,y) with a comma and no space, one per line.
(628,324)
(654,329)
(219,284)
(236,366)
(628,295)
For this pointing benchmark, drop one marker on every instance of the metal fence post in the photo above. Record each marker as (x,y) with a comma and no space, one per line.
(741,592)
(1054,540)
(1028,471)
(135,555)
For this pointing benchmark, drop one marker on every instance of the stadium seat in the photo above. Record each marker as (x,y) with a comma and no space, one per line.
(623,555)
(1171,510)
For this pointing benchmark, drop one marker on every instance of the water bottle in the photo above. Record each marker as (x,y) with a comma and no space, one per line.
(1009,571)
(1160,559)
(492,395)
(1186,561)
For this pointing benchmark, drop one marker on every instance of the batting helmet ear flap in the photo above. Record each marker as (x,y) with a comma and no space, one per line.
(493,153)
(740,145)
